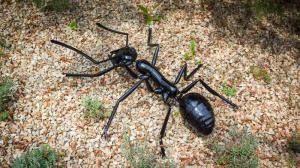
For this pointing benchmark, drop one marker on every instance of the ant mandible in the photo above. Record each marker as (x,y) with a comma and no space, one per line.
(194,108)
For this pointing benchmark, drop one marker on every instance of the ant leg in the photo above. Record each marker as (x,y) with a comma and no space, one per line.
(90,75)
(149,87)
(183,72)
(131,73)
(155,55)
(114,31)
(123,97)
(191,85)
(163,131)
(79,52)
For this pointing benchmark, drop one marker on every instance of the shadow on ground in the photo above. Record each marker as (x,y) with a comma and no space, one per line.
(276,32)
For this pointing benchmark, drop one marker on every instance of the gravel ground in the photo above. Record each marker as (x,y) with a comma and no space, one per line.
(49,110)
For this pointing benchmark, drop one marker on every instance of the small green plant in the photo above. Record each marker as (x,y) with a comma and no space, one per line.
(260,73)
(53,5)
(2,53)
(4,115)
(199,62)
(137,156)
(6,93)
(43,157)
(292,160)
(228,90)
(141,156)
(192,52)
(176,114)
(239,151)
(73,25)
(5,45)
(294,143)
(94,109)
(149,14)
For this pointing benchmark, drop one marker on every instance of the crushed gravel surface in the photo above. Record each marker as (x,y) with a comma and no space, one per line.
(49,110)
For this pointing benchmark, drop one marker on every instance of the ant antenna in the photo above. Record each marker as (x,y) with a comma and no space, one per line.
(114,31)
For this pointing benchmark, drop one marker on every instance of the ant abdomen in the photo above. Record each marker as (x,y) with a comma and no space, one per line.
(197,111)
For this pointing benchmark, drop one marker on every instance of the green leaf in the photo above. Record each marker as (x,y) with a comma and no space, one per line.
(6,92)
(187,56)
(260,73)
(94,108)
(4,116)
(157,18)
(73,25)
(148,14)
(199,62)
(267,78)
(3,44)
(229,91)
(144,10)
(193,47)
(42,157)
(176,114)
(149,20)
(156,5)
(2,53)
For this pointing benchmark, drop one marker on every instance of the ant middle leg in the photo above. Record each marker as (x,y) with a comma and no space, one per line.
(183,72)
(149,43)
(151,89)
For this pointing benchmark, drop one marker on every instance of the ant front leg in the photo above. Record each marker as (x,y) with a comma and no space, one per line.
(151,89)
(90,75)
(78,51)
(131,72)
(183,72)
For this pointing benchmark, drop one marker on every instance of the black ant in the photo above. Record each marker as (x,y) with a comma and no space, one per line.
(195,108)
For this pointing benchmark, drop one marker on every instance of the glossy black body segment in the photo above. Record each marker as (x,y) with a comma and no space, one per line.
(145,68)
(197,111)
(195,108)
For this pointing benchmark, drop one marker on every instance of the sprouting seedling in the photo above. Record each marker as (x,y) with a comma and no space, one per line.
(149,14)
(2,53)
(94,108)
(192,52)
(260,73)
(229,91)
(73,25)
(4,45)
(199,62)
(176,114)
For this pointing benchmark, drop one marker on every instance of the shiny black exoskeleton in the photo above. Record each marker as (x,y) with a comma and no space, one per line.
(124,56)
(194,108)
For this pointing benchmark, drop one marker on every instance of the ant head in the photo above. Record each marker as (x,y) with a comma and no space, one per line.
(128,55)
(132,52)
(197,111)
